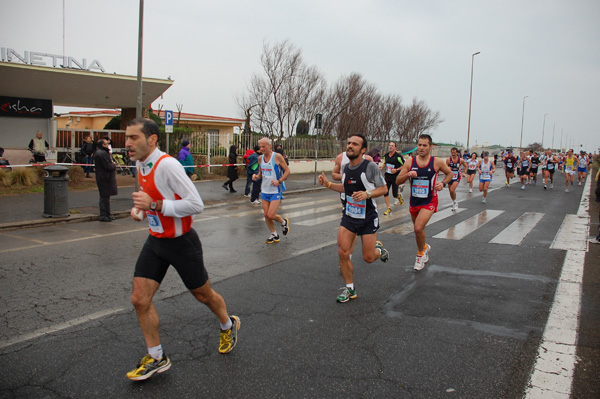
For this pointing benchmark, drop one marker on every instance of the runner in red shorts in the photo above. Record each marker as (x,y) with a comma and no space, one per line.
(422,171)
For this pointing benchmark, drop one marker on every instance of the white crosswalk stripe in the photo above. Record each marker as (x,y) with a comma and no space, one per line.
(518,230)
(317,212)
(463,229)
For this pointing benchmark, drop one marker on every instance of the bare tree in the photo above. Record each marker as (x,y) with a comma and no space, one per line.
(285,92)
(288,91)
(416,119)
(179,108)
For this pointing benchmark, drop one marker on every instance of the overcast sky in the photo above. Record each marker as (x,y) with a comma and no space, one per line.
(547,50)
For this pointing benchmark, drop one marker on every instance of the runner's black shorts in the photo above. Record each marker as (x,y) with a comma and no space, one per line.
(184,253)
(510,170)
(360,226)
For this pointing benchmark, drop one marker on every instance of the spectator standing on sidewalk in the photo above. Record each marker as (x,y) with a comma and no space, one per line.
(106,179)
(279,150)
(38,147)
(185,158)
(88,148)
(232,172)
(252,169)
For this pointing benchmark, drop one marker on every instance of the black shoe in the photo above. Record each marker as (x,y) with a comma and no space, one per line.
(232,191)
(105,219)
(225,186)
(111,217)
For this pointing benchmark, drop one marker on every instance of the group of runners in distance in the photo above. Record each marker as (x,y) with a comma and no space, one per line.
(168,200)
(528,163)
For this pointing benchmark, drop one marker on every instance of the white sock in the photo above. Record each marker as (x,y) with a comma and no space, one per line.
(379,249)
(350,256)
(227,325)
(156,352)
(351,286)
(274,234)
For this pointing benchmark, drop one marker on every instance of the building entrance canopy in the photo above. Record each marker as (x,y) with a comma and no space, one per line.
(77,88)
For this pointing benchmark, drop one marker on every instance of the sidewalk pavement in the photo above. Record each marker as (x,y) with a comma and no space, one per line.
(25,210)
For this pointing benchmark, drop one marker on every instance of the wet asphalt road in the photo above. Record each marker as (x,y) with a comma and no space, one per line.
(468,326)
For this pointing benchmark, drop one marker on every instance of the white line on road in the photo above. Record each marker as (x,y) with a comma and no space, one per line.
(61,326)
(463,229)
(554,368)
(518,230)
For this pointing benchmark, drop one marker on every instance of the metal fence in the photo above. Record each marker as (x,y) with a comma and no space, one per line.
(212,144)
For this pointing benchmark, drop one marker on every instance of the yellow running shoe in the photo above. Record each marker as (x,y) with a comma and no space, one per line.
(148,366)
(229,337)
(389,210)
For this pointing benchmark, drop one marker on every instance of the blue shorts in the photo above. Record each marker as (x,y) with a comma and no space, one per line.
(270,197)
(360,226)
(581,169)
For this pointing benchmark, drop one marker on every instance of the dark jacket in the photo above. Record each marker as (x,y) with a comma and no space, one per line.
(88,149)
(232,171)
(106,177)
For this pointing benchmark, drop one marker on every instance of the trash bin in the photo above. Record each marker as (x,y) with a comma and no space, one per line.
(56,192)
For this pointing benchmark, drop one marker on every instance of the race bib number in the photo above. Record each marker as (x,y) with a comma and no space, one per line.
(485,176)
(420,188)
(509,165)
(388,168)
(550,166)
(356,209)
(154,222)
(455,175)
(568,168)
(267,172)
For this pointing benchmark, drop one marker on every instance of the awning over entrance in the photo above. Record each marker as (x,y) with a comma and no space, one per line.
(77,88)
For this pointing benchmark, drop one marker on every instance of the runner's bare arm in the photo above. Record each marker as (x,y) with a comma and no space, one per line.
(339,187)
(404,171)
(446,170)
(336,173)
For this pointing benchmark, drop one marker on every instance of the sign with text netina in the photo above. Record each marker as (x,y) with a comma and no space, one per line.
(25,107)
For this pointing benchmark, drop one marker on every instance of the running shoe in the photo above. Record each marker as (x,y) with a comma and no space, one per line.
(551,185)
(545,187)
(483,200)
(396,202)
(426,254)
(385,255)
(595,240)
(229,337)
(506,184)
(419,263)
(535,183)
(567,190)
(225,186)
(579,184)
(273,238)
(148,366)
(256,202)
(247,195)
(389,210)
(346,294)
(454,205)
(523,187)
(285,226)
(470,190)
(400,199)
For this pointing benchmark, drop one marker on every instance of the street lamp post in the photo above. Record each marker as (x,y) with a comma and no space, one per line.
(553,127)
(522,119)
(470,98)
(543,126)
